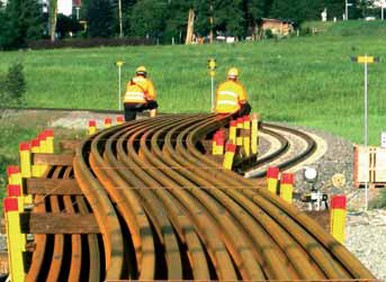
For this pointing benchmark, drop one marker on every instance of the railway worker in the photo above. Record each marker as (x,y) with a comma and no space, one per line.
(231,96)
(140,95)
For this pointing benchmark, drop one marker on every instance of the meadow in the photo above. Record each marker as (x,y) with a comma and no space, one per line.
(307,80)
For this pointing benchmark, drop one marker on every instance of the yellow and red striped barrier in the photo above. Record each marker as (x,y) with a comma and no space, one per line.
(338,217)
(230,151)
(239,126)
(218,142)
(16,241)
(272,178)
(287,182)
(14,175)
(36,170)
(49,133)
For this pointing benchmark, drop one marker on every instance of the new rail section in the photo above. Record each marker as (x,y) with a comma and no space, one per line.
(161,207)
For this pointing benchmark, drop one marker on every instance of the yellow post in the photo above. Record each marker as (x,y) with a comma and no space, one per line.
(25,159)
(49,133)
(220,142)
(43,143)
(240,126)
(36,170)
(15,239)
(92,127)
(254,134)
(107,122)
(229,156)
(246,136)
(232,131)
(272,178)
(119,120)
(287,182)
(214,144)
(338,217)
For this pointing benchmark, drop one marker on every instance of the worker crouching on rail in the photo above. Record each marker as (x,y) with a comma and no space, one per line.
(140,95)
(231,96)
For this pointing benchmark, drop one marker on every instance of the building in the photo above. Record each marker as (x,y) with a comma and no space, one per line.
(277,27)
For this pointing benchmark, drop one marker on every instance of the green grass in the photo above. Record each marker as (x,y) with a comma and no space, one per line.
(307,80)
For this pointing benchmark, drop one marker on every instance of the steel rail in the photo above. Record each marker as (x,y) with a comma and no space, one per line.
(104,213)
(337,251)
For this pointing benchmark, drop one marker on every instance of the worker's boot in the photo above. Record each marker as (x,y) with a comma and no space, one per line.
(153,113)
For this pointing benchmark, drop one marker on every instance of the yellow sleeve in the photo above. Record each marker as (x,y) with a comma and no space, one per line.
(242,94)
(151,90)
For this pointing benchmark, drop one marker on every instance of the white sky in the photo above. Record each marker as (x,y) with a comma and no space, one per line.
(65,7)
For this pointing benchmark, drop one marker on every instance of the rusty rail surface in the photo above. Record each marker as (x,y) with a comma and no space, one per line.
(167,210)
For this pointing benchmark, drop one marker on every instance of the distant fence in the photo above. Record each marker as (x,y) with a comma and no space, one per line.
(88,43)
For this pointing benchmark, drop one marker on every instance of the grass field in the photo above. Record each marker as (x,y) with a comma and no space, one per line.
(306,80)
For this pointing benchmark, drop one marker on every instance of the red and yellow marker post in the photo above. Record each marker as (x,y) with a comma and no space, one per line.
(254,134)
(287,182)
(107,122)
(16,241)
(247,136)
(220,142)
(272,178)
(25,159)
(49,133)
(119,120)
(240,126)
(338,217)
(36,170)
(14,175)
(230,151)
(232,131)
(92,128)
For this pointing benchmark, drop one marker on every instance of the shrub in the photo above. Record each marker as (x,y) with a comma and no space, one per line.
(14,86)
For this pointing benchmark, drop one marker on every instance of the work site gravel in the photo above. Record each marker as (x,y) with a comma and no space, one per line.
(366,231)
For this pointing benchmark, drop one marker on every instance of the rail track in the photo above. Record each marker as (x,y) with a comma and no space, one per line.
(164,209)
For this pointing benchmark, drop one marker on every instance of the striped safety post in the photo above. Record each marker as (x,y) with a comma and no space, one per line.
(214,144)
(272,178)
(107,122)
(220,142)
(25,159)
(230,150)
(287,182)
(239,126)
(92,128)
(247,136)
(14,175)
(255,134)
(14,178)
(232,131)
(119,120)
(43,142)
(36,170)
(338,217)
(16,241)
(50,140)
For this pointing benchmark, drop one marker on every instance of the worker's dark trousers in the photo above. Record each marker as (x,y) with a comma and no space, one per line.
(131,110)
(245,110)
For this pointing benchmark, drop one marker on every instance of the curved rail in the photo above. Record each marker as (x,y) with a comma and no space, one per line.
(167,210)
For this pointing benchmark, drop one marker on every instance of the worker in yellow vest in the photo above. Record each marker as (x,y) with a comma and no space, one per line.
(140,95)
(231,96)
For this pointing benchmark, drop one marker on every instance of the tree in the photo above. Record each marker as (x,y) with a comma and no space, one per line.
(14,86)
(148,18)
(100,18)
(22,21)
(53,14)
(66,25)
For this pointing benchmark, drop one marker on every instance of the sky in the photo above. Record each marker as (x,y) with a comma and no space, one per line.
(65,7)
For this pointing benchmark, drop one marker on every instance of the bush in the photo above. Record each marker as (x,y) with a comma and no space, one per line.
(14,86)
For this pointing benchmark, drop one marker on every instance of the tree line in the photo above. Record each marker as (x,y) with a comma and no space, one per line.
(162,20)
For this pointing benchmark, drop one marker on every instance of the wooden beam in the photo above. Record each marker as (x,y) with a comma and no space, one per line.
(44,186)
(58,223)
(69,145)
(52,159)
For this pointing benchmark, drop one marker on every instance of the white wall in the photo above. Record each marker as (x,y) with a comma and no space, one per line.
(65,7)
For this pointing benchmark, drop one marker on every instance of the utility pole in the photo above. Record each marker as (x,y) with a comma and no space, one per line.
(382,9)
(120,18)
(211,22)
